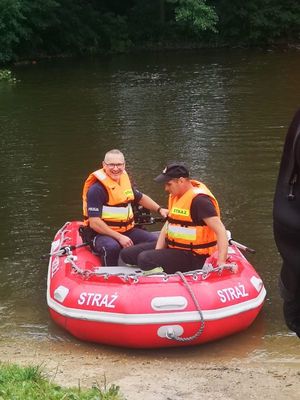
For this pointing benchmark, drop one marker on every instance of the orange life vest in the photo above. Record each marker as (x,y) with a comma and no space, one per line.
(182,233)
(117,212)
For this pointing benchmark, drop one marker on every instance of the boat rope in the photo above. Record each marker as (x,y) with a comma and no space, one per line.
(87,273)
(208,269)
(171,335)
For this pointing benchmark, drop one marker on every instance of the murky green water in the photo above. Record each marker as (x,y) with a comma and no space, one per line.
(223,112)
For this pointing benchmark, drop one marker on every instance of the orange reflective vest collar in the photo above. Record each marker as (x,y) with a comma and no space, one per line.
(117,213)
(182,233)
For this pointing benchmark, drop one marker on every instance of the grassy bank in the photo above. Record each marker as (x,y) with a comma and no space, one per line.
(30,383)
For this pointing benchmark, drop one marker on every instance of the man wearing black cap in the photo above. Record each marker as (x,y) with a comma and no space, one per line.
(193,229)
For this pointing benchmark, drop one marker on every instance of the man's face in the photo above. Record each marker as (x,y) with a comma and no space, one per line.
(114,165)
(173,187)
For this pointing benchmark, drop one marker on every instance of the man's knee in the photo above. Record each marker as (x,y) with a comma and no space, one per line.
(127,256)
(145,259)
(130,254)
(104,245)
(108,249)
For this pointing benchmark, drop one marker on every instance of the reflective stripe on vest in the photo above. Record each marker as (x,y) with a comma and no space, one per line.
(180,232)
(117,213)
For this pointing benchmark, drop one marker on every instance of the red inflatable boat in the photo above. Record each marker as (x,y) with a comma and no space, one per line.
(123,307)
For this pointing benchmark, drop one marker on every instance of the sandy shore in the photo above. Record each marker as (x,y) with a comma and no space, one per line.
(226,370)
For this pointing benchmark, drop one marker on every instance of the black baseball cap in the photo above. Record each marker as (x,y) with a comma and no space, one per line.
(172,171)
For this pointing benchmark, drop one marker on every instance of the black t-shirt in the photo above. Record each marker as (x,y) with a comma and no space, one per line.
(97,196)
(202,207)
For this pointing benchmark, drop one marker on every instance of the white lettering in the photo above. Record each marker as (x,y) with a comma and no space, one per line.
(243,290)
(104,301)
(97,300)
(81,299)
(113,298)
(221,295)
(54,266)
(226,293)
(232,293)
(239,293)
(90,296)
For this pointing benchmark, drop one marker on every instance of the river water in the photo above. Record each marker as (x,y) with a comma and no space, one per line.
(224,112)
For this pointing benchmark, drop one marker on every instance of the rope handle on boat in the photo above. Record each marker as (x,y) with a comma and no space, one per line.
(171,335)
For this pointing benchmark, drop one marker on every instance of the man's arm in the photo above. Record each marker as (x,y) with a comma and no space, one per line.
(217,226)
(151,205)
(161,241)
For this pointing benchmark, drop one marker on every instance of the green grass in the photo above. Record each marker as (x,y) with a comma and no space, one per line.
(30,383)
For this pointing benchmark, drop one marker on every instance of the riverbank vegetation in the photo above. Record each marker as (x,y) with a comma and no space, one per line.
(31,29)
(6,75)
(29,383)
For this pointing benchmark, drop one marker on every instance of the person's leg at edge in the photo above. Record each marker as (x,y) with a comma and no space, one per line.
(289,287)
(287,241)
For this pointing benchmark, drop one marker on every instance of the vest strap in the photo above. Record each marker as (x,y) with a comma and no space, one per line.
(120,224)
(180,222)
(191,246)
(119,205)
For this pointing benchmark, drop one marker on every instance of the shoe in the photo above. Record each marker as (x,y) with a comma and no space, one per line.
(294,326)
(156,270)
(291,312)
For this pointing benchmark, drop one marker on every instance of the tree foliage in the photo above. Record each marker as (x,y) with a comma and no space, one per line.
(36,28)
(195,15)
(22,23)
(258,21)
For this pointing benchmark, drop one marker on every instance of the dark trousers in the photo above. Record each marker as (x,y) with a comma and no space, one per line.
(146,257)
(109,248)
(288,244)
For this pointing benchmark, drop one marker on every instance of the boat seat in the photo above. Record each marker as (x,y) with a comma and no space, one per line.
(117,270)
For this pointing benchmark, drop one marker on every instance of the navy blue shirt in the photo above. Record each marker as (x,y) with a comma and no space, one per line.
(97,196)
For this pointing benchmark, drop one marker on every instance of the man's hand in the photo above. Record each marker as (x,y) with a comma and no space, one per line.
(225,265)
(164,212)
(125,241)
